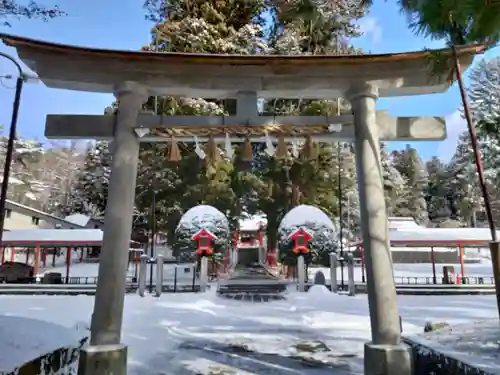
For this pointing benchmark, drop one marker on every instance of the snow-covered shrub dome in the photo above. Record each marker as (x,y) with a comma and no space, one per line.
(195,219)
(315,222)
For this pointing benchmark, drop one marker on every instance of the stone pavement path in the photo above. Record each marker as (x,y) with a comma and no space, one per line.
(204,358)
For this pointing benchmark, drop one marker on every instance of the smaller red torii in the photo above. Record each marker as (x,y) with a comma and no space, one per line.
(301,239)
(205,240)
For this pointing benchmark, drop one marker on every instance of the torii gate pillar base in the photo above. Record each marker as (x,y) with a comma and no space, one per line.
(388,359)
(103,360)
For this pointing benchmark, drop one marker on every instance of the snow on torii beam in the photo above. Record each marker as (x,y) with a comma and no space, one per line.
(184,128)
(223,76)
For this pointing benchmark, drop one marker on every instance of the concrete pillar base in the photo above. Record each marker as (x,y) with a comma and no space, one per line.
(388,359)
(103,360)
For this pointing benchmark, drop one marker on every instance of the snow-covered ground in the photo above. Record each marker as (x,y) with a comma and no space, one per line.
(475,344)
(187,334)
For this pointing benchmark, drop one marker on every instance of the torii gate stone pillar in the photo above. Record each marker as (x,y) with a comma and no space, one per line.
(384,354)
(106,354)
(359,79)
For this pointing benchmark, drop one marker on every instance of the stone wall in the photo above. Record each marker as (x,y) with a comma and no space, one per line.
(51,363)
(427,360)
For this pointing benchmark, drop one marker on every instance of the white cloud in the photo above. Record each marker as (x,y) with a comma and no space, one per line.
(371,28)
(455,125)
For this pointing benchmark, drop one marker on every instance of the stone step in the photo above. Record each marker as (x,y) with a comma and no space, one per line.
(252,288)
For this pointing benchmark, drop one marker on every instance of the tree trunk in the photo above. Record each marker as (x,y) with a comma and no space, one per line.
(474,143)
(272,231)
(473,219)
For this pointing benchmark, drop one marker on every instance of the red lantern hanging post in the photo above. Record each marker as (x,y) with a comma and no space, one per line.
(205,240)
(301,240)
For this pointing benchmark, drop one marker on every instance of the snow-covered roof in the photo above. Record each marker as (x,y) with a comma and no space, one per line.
(205,231)
(304,229)
(304,214)
(441,236)
(252,224)
(53,235)
(78,219)
(402,223)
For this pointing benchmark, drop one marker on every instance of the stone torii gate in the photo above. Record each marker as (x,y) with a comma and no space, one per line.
(133,76)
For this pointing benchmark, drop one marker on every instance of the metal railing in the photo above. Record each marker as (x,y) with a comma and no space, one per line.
(430,280)
(72,280)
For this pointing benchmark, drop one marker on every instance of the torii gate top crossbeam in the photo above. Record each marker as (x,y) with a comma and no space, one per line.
(223,76)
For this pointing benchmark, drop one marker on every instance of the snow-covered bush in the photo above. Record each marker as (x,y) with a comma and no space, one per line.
(195,219)
(315,222)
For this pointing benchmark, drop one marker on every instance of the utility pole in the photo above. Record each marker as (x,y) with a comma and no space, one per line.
(153,199)
(153,237)
(10,143)
(339,187)
(341,236)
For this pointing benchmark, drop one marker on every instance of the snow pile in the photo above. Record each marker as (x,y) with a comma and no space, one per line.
(318,290)
(195,219)
(318,293)
(24,339)
(314,221)
(474,344)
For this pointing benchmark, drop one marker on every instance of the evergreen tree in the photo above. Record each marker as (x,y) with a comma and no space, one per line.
(25,185)
(393,183)
(90,193)
(412,169)
(438,192)
(208,27)
(57,170)
(198,218)
(484,96)
(464,181)
(305,28)
(14,9)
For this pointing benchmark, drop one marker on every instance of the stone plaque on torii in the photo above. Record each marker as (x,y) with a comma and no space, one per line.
(133,76)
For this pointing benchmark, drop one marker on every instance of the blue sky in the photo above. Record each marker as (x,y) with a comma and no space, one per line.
(120,24)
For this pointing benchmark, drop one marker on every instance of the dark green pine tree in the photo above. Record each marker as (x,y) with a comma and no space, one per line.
(90,194)
(412,169)
(208,27)
(437,195)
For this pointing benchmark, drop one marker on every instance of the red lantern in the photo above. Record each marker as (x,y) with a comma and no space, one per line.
(301,240)
(205,240)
